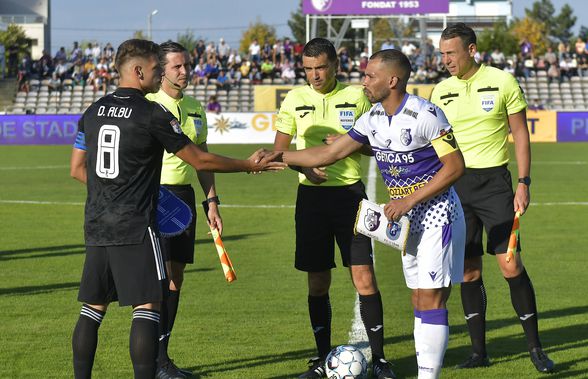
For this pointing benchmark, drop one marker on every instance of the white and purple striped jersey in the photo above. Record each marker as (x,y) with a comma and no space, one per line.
(407,146)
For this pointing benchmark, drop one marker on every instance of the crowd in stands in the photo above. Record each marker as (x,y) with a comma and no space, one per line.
(281,62)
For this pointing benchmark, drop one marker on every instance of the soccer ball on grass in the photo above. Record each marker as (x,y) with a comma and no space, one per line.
(346,362)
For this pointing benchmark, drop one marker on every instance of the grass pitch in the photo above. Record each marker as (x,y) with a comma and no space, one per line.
(257,326)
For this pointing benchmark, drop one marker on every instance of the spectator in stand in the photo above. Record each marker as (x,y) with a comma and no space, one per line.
(60,55)
(362,66)
(245,68)
(255,52)
(199,51)
(526,48)
(580,47)
(61,68)
(498,59)
(420,75)
(212,68)
(266,51)
(298,48)
(45,65)
(76,52)
(553,73)
(345,62)
(199,73)
(288,74)
(408,49)
(541,65)
(223,82)
(563,50)
(550,57)
(267,69)
(364,53)
(583,66)
(213,105)
(210,50)
(88,65)
(54,83)
(536,105)
(224,51)
(429,51)
(234,60)
(255,74)
(528,66)
(387,44)
(278,52)
(509,68)
(88,50)
(288,49)
(96,52)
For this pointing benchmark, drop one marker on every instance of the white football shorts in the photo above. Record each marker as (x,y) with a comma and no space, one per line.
(434,258)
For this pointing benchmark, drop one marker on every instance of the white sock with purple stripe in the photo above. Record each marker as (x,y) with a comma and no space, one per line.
(433,338)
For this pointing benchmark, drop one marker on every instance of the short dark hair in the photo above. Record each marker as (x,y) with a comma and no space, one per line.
(135,48)
(318,46)
(395,58)
(170,47)
(461,30)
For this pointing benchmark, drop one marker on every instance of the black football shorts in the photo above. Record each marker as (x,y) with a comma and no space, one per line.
(131,274)
(487,197)
(325,215)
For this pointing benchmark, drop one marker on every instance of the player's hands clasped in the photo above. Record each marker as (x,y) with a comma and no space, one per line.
(395,209)
(265,160)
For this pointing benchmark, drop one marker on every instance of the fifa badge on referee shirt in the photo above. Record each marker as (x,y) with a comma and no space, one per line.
(347,118)
(487,102)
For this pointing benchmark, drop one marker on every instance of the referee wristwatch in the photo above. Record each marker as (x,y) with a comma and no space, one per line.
(213,199)
(525,180)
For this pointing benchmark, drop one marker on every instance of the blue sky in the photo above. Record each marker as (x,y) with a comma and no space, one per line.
(116,20)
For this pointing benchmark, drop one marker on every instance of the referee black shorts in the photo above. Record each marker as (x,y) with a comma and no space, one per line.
(487,199)
(325,215)
(180,248)
(131,274)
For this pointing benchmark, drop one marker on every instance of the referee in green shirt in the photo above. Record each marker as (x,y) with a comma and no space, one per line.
(327,201)
(178,176)
(482,103)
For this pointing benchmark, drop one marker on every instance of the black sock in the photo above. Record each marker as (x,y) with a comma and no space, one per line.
(169,310)
(319,309)
(473,300)
(370,307)
(85,340)
(143,344)
(522,296)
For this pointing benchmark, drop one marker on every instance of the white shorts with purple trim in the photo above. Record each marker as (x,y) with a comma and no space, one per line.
(434,257)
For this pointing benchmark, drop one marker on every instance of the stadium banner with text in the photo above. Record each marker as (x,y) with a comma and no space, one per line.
(374,7)
(38,129)
(541,125)
(268,98)
(62,129)
(572,127)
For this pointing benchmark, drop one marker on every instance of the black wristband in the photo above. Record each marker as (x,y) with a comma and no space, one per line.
(526,181)
(213,199)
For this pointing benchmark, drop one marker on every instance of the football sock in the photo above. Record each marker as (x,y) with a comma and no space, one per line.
(417,331)
(371,310)
(168,316)
(319,309)
(473,300)
(433,338)
(522,296)
(143,342)
(85,340)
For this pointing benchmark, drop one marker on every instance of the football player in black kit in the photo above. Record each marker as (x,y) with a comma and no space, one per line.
(118,153)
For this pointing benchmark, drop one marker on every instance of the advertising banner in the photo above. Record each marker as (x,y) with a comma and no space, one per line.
(541,125)
(38,129)
(376,7)
(572,126)
(241,127)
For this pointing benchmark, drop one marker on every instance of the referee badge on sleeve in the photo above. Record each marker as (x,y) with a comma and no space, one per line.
(175,124)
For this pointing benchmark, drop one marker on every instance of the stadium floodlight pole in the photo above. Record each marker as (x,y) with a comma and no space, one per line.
(153,13)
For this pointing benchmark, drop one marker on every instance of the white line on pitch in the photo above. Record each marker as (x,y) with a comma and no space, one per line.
(33,167)
(263,206)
